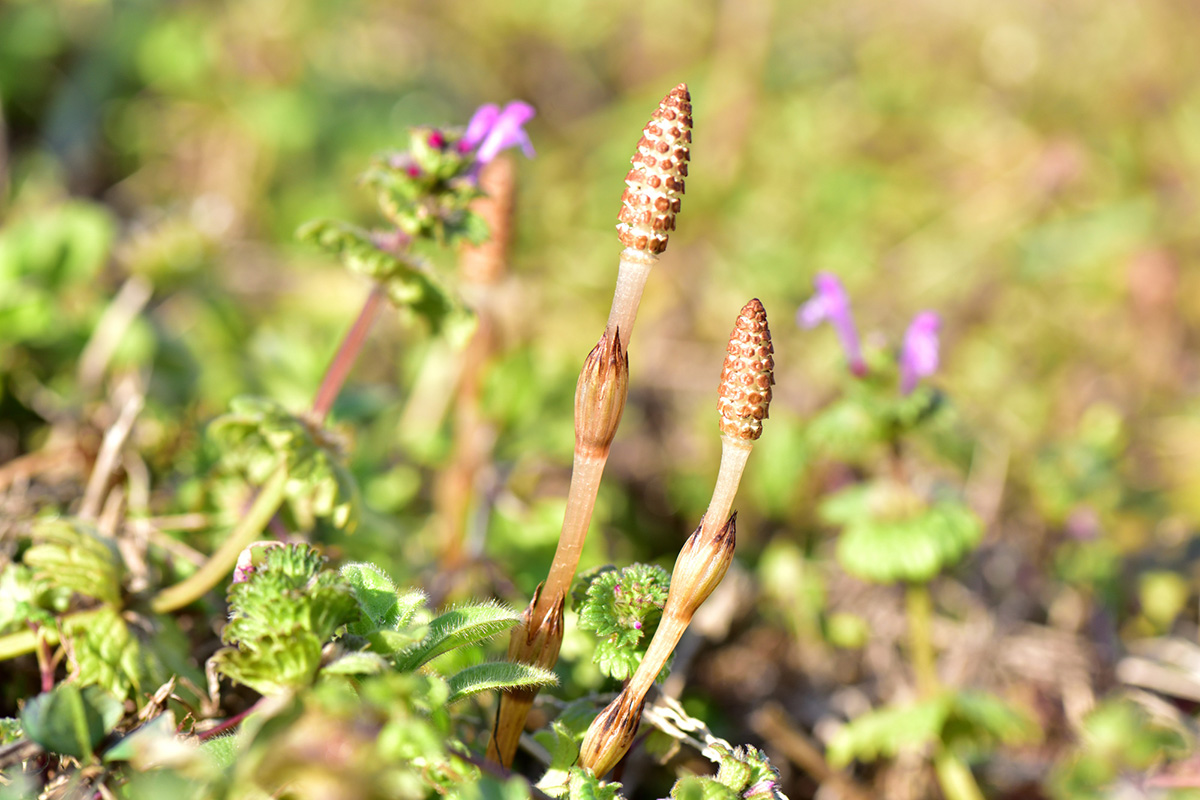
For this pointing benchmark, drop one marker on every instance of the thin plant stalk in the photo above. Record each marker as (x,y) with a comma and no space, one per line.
(221,563)
(955,777)
(654,186)
(743,398)
(919,610)
(347,354)
(270,496)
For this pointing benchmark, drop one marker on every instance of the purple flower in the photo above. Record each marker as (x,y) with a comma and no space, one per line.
(830,304)
(492,130)
(919,356)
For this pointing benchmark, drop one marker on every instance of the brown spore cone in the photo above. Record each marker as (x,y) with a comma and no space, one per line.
(747,376)
(654,185)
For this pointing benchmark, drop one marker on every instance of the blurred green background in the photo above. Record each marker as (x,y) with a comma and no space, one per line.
(1027,169)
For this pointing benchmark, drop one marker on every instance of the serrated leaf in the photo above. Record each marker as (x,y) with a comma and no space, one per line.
(273,664)
(71,554)
(456,628)
(497,675)
(71,721)
(583,785)
(128,661)
(696,787)
(409,284)
(257,433)
(623,607)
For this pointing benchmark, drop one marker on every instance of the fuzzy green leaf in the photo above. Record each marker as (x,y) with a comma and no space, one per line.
(376,597)
(456,628)
(271,664)
(498,675)
(746,770)
(257,433)
(71,554)
(71,721)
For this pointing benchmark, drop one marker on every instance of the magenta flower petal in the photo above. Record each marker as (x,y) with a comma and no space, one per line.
(831,304)
(482,122)
(919,355)
(507,131)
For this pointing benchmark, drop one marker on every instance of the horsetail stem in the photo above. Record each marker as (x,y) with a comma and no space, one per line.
(649,204)
(743,398)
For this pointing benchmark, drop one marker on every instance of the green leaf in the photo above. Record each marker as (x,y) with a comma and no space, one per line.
(745,770)
(583,785)
(563,745)
(966,722)
(356,664)
(69,553)
(376,597)
(456,628)
(696,787)
(271,664)
(497,675)
(409,283)
(890,534)
(623,607)
(257,433)
(128,661)
(71,721)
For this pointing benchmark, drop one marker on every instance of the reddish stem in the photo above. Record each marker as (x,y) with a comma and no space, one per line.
(45,662)
(347,354)
(232,722)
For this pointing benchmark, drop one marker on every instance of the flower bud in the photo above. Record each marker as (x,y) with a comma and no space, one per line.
(600,395)
(655,183)
(699,568)
(747,376)
(610,735)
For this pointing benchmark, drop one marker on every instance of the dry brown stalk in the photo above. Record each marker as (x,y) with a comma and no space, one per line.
(482,267)
(654,186)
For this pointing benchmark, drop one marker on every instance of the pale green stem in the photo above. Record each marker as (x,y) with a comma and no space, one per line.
(220,563)
(734,454)
(919,608)
(955,777)
(632,272)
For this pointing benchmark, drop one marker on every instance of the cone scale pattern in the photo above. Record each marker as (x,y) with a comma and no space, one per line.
(746,379)
(654,185)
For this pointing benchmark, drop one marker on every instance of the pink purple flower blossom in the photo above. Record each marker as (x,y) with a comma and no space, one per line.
(830,304)
(919,355)
(493,129)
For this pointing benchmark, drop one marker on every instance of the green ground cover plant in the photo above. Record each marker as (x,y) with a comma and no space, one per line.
(434,525)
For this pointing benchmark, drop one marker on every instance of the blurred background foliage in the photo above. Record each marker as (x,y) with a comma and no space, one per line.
(1027,169)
